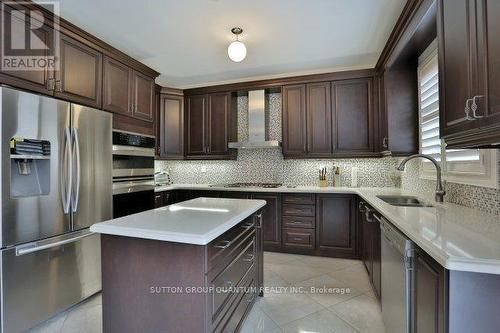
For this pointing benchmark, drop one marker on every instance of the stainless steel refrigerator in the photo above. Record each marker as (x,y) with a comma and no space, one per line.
(49,259)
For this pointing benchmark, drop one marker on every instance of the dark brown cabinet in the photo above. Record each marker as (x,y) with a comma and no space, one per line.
(319,119)
(271,220)
(469,79)
(353,115)
(164,198)
(294,120)
(371,247)
(329,119)
(209,126)
(42,80)
(171,127)
(336,225)
(79,77)
(117,87)
(430,290)
(142,96)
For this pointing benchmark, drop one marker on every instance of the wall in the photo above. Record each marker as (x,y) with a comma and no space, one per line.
(482,198)
(268,165)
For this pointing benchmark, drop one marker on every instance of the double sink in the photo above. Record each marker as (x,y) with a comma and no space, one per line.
(403,201)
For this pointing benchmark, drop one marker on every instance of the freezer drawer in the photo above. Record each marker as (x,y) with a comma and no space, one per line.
(43,278)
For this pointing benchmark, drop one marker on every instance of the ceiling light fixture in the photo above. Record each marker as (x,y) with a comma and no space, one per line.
(237,51)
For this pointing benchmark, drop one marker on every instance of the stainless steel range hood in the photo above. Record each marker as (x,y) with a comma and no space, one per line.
(258,124)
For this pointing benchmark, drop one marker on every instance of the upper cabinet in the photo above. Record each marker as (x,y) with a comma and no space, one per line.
(469,53)
(117,87)
(171,127)
(79,76)
(329,119)
(209,126)
(294,120)
(142,96)
(353,115)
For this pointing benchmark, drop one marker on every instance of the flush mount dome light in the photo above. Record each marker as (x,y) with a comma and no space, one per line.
(237,51)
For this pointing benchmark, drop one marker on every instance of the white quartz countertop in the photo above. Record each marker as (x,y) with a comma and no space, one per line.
(197,221)
(457,237)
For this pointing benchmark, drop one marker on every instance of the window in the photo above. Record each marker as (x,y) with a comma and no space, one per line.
(468,166)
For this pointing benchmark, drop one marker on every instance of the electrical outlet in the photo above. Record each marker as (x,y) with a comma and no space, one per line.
(203,169)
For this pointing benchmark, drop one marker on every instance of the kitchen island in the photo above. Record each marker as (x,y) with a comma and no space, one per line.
(195,266)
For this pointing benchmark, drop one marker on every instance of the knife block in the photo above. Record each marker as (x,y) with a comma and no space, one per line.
(323,183)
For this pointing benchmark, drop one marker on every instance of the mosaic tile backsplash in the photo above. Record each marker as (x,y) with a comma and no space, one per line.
(268,165)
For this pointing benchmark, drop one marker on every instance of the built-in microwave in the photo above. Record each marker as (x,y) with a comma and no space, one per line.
(133,173)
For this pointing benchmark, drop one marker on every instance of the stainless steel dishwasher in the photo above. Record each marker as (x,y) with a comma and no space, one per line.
(397,279)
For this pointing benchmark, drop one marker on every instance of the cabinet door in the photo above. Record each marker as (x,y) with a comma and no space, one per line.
(117,87)
(429,307)
(271,220)
(336,225)
(171,124)
(294,120)
(143,96)
(319,119)
(376,257)
(353,115)
(79,77)
(35,80)
(488,65)
(456,21)
(196,124)
(218,123)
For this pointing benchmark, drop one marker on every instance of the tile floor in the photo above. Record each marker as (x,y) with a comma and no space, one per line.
(293,303)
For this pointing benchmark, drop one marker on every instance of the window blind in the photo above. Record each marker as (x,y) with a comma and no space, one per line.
(430,142)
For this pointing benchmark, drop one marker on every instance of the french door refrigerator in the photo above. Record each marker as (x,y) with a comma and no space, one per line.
(49,258)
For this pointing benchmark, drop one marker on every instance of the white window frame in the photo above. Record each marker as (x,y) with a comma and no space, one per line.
(480,173)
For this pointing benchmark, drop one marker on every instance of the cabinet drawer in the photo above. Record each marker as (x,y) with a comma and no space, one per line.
(299,210)
(298,238)
(230,278)
(221,251)
(298,221)
(301,199)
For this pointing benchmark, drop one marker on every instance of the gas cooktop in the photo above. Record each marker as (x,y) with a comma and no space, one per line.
(262,185)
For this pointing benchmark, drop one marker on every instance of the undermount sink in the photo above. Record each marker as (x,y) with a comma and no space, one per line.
(403,200)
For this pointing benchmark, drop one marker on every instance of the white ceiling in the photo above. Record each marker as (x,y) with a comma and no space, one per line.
(186,40)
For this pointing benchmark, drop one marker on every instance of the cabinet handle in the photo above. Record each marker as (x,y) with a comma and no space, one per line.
(248,226)
(249,259)
(58,86)
(362,207)
(297,239)
(385,142)
(305,147)
(468,109)
(259,218)
(474,107)
(223,245)
(50,84)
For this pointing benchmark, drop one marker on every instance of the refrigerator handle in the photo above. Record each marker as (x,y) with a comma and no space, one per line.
(76,196)
(66,184)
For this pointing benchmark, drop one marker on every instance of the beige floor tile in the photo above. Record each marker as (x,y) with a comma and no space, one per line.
(327,290)
(295,271)
(354,277)
(285,308)
(323,321)
(258,322)
(362,312)
(329,264)
(279,258)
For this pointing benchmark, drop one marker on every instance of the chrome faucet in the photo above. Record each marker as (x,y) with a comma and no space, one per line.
(440,192)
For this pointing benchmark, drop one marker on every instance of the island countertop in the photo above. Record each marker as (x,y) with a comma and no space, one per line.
(197,221)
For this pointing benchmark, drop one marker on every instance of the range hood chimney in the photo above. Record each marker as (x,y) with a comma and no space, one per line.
(258,133)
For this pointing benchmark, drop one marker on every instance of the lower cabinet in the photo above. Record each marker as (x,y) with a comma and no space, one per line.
(336,225)
(164,198)
(371,247)
(429,298)
(229,268)
(271,220)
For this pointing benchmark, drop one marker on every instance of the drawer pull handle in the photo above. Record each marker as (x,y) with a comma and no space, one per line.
(248,226)
(250,258)
(223,245)
(297,239)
